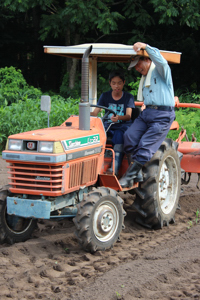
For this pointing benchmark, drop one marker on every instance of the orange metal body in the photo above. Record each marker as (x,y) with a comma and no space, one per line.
(110,180)
(70,175)
(75,173)
(191,150)
(62,177)
(191,156)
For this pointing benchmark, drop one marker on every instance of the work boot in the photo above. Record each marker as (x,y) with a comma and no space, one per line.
(128,178)
(139,177)
(129,158)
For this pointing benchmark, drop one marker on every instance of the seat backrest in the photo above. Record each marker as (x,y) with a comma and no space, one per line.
(135,113)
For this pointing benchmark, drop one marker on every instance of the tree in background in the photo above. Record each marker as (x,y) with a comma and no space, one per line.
(68,20)
(27,25)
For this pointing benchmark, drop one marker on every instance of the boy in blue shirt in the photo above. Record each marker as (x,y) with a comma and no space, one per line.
(121,103)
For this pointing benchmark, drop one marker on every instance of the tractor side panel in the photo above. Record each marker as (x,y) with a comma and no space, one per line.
(191,156)
(83,172)
(191,163)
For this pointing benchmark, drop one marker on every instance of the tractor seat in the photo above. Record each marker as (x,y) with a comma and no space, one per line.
(135,113)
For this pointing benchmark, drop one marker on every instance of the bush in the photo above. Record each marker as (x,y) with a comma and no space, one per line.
(13,87)
(66,92)
(26,115)
(188,97)
(188,119)
(134,87)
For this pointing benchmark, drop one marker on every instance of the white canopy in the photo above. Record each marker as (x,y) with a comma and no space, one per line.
(105,53)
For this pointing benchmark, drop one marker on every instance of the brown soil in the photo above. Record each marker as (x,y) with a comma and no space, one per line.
(145,264)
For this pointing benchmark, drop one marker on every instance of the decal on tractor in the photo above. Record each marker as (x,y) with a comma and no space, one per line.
(81,142)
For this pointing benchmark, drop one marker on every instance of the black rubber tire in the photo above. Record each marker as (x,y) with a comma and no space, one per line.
(157,196)
(8,232)
(99,219)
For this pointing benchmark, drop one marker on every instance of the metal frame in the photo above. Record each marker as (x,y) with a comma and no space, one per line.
(104,53)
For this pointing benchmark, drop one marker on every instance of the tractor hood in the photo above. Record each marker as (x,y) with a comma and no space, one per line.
(57,144)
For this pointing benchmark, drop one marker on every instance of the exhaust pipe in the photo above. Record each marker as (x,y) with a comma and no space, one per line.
(84,105)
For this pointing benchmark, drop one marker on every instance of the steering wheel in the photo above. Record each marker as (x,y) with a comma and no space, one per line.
(108,111)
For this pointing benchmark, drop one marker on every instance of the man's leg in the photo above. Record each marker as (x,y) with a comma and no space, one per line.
(131,139)
(151,140)
(158,124)
(133,134)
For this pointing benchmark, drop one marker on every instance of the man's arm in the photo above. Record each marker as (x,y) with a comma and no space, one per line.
(161,63)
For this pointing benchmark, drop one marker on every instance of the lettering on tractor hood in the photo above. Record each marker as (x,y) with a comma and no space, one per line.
(81,142)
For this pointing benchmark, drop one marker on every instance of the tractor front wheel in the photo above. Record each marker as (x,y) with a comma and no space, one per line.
(13,229)
(99,219)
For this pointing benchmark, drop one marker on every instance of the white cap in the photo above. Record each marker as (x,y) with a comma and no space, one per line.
(134,62)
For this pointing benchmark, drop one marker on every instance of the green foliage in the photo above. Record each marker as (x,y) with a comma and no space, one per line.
(79,16)
(20,106)
(118,296)
(26,115)
(139,11)
(181,11)
(2,138)
(188,119)
(66,92)
(166,24)
(62,109)
(103,85)
(23,6)
(197,216)
(134,87)
(190,223)
(13,87)
(189,97)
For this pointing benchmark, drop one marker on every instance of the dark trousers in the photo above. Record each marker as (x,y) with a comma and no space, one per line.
(116,131)
(144,137)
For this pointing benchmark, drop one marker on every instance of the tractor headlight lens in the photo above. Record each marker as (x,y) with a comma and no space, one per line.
(15,145)
(46,147)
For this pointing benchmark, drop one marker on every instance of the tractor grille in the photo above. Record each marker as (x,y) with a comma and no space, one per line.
(48,179)
(36,177)
(83,172)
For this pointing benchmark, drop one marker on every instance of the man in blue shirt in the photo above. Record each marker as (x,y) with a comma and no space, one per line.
(121,103)
(149,130)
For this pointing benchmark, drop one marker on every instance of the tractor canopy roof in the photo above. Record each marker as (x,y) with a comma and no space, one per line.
(107,52)
(104,53)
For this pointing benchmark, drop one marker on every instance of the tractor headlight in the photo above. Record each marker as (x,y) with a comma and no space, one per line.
(15,145)
(46,147)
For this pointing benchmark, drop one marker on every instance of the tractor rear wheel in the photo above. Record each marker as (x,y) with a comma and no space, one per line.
(99,219)
(13,229)
(158,195)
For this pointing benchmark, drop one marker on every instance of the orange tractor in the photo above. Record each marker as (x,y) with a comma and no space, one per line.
(62,172)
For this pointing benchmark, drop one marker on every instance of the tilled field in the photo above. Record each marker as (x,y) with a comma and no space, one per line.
(145,264)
